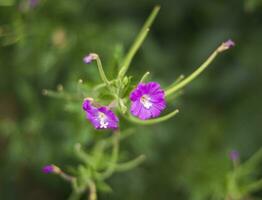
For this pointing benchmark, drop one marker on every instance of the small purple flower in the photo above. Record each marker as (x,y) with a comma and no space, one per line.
(229,43)
(147,100)
(234,155)
(89,58)
(48,169)
(102,117)
(33,3)
(226,45)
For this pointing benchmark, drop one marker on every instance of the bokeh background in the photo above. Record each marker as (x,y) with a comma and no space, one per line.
(42,44)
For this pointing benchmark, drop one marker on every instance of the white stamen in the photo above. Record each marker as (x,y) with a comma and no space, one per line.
(103,124)
(102,118)
(145,100)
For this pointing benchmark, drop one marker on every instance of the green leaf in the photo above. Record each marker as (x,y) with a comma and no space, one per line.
(104,187)
(138,42)
(130,164)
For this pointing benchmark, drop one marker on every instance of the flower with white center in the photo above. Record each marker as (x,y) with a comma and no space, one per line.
(147,100)
(101,117)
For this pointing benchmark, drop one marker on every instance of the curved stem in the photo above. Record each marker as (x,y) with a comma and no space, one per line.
(101,71)
(67,177)
(152,121)
(179,79)
(144,77)
(130,164)
(187,80)
(114,157)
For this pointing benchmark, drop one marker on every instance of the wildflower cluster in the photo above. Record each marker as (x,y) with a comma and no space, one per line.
(141,103)
(148,100)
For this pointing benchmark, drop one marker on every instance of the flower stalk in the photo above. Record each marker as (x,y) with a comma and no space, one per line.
(138,42)
(224,46)
(92,191)
(152,121)
(114,157)
(93,56)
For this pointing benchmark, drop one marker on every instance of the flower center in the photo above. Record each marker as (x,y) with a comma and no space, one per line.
(145,100)
(102,120)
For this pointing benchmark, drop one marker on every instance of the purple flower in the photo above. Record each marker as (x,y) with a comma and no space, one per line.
(101,117)
(147,100)
(33,3)
(226,45)
(48,169)
(89,58)
(234,155)
(229,43)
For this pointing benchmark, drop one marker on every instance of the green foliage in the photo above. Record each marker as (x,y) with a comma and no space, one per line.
(186,156)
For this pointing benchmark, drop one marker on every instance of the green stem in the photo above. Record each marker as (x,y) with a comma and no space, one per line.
(82,155)
(102,85)
(199,70)
(179,79)
(144,77)
(152,121)
(250,164)
(253,187)
(101,70)
(138,42)
(92,191)
(130,164)
(67,177)
(114,157)
(109,141)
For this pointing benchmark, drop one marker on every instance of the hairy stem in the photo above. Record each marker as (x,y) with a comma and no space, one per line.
(101,71)
(138,42)
(114,157)
(152,121)
(191,77)
(92,191)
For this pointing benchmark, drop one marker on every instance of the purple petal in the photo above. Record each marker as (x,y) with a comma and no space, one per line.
(234,155)
(153,87)
(101,118)
(47,169)
(86,105)
(136,107)
(111,118)
(89,58)
(152,104)
(51,169)
(229,43)
(155,111)
(145,113)
(136,93)
(33,3)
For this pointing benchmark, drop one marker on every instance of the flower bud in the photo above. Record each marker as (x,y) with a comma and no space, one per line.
(234,155)
(226,45)
(48,169)
(89,58)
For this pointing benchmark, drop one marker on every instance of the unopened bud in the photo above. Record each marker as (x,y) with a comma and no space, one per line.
(234,155)
(226,45)
(89,58)
(51,169)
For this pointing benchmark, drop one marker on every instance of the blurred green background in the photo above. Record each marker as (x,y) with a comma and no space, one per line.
(42,46)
